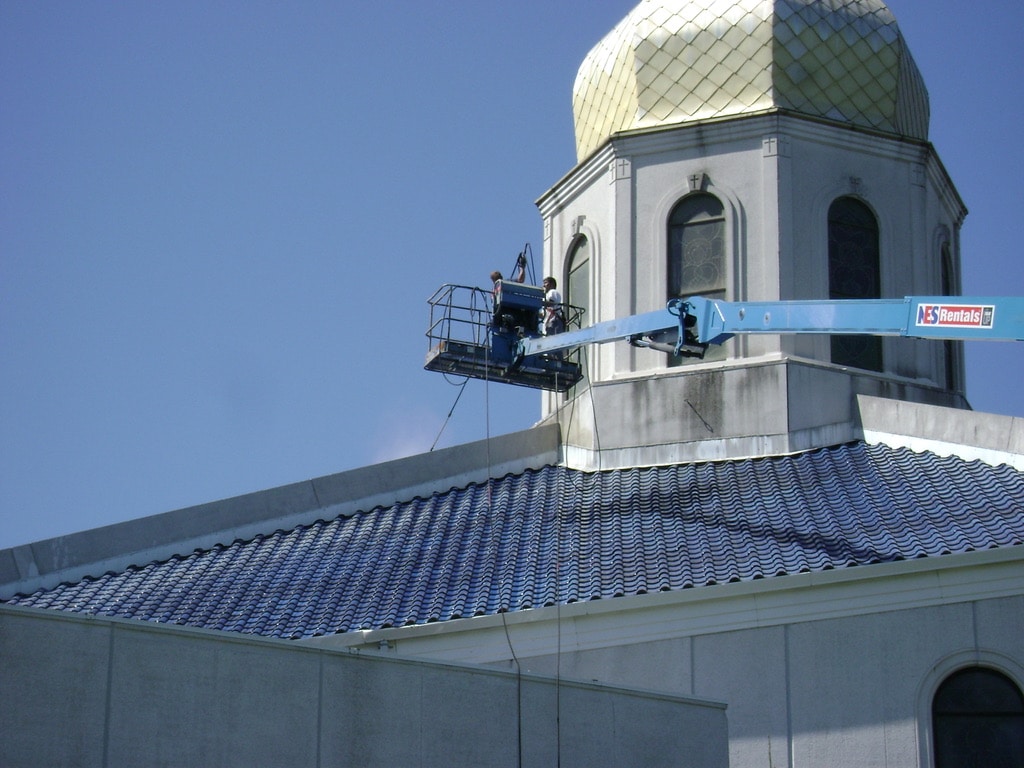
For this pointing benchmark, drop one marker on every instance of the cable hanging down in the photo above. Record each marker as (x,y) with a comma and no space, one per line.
(462,388)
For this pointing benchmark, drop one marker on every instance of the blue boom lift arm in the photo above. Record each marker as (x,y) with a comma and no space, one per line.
(696,322)
(508,347)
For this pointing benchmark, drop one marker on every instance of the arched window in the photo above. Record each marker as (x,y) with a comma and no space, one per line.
(978,720)
(696,253)
(577,294)
(854,272)
(578,284)
(949,347)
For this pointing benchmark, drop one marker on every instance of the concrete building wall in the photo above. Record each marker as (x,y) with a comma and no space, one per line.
(853,691)
(835,668)
(98,692)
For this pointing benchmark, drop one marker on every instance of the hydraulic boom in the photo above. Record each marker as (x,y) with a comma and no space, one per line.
(496,335)
(692,324)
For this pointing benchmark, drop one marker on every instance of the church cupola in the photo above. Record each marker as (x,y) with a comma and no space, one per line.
(750,150)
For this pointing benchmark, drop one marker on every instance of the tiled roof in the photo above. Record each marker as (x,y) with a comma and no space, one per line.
(561,535)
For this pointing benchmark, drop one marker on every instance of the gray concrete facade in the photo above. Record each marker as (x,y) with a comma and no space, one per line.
(100,692)
(852,691)
(835,669)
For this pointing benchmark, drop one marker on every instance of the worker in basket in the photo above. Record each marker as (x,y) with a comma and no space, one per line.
(553,313)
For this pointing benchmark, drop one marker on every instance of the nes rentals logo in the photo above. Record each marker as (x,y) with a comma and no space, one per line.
(956,315)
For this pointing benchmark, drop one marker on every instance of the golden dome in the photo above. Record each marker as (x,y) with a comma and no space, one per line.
(673,62)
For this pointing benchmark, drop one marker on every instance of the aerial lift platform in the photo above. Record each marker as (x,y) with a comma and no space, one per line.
(497,337)
(477,333)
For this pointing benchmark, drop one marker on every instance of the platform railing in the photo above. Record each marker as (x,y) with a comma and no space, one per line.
(464,340)
(460,313)
(464,313)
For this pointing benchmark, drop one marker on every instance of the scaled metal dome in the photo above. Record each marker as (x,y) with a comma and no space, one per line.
(673,62)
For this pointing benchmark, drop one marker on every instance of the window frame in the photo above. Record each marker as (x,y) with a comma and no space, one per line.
(697,209)
(852,223)
(580,243)
(949,714)
(951,349)
(940,669)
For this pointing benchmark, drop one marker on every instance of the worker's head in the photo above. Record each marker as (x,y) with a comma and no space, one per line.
(549,283)
(496,276)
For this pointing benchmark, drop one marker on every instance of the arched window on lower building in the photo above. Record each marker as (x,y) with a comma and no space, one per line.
(978,720)
(854,272)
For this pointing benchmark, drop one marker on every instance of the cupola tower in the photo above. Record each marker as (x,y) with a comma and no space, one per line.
(749,150)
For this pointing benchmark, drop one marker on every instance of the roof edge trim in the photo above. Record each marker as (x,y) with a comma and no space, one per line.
(900,585)
(971,435)
(45,564)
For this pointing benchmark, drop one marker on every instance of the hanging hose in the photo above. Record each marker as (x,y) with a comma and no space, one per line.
(462,388)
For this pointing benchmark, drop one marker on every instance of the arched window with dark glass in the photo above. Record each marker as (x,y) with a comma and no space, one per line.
(978,720)
(854,272)
(577,294)
(696,253)
(578,285)
(949,347)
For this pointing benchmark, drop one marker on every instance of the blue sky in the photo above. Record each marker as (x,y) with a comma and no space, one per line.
(220,223)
